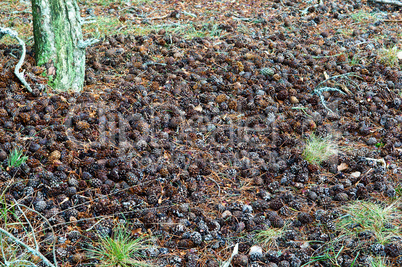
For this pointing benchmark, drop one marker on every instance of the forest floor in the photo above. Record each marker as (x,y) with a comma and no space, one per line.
(267,129)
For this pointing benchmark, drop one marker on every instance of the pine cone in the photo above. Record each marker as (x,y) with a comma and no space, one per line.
(304,218)
(73,182)
(271,215)
(4,176)
(74,235)
(52,212)
(96,182)
(72,190)
(393,250)
(277,222)
(276,204)
(40,205)
(3,112)
(193,170)
(267,71)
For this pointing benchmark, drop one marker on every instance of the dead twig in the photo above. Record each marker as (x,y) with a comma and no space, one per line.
(209,178)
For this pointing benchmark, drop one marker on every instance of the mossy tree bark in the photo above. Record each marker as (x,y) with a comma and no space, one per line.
(58,43)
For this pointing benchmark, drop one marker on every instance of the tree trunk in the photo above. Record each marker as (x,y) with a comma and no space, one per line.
(58,43)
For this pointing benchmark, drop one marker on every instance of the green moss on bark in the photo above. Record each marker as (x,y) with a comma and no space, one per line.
(57,34)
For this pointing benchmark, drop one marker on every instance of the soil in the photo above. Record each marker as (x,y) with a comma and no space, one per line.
(196,142)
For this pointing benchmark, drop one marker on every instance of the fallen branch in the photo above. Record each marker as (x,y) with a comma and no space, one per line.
(345,76)
(305,11)
(33,251)
(319,92)
(390,2)
(50,227)
(23,11)
(145,65)
(393,20)
(20,75)
(319,89)
(84,44)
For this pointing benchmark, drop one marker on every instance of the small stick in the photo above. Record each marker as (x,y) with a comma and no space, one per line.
(155,18)
(219,188)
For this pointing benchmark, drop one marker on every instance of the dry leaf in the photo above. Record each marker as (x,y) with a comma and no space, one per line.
(198,108)
(355,174)
(343,166)
(399,55)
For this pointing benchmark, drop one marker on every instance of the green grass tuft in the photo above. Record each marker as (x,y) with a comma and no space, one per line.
(389,56)
(330,256)
(319,149)
(362,216)
(267,238)
(365,17)
(16,158)
(120,250)
(378,262)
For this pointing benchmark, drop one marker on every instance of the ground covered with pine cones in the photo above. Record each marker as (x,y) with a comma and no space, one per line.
(268,128)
